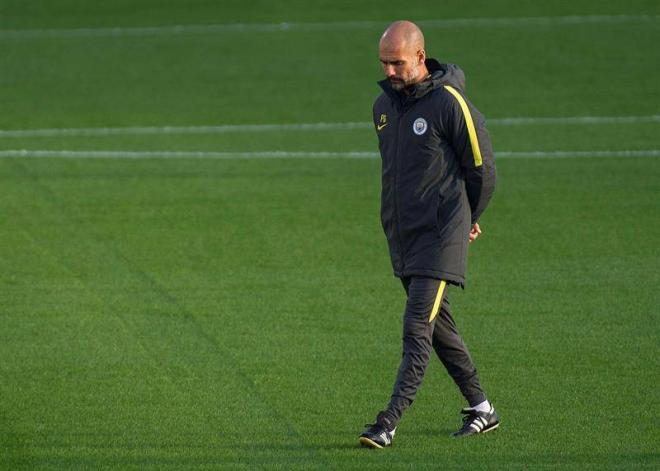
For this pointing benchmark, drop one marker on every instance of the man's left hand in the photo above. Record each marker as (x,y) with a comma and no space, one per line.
(474,233)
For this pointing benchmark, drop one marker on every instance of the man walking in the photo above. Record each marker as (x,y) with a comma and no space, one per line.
(438,176)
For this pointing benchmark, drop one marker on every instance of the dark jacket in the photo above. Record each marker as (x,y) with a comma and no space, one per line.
(438,173)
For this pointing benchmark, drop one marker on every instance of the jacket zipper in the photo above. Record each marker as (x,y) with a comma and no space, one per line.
(396,190)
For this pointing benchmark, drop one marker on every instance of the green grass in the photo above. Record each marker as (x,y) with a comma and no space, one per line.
(198,313)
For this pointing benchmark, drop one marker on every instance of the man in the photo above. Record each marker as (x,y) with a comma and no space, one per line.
(438,176)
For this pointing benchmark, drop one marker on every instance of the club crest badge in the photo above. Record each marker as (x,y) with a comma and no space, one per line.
(420,126)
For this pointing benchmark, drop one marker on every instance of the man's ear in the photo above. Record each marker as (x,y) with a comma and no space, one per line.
(421,56)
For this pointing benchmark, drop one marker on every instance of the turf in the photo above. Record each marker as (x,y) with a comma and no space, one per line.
(241,313)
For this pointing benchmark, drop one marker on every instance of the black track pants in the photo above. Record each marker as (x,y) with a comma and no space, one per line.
(427,323)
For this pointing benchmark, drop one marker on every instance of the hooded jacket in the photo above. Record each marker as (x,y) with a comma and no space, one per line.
(438,173)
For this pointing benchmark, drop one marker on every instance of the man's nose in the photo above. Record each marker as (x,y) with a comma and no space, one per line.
(389,71)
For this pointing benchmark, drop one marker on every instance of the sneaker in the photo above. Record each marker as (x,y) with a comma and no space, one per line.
(380,434)
(475,421)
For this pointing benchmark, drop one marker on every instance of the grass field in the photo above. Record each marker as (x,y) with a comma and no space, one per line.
(232,307)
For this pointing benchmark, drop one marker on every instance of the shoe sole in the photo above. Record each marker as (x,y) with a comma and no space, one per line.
(492,427)
(364,441)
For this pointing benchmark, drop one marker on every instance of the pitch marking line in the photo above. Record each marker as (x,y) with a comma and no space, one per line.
(173,30)
(211,129)
(238,128)
(573,120)
(120,154)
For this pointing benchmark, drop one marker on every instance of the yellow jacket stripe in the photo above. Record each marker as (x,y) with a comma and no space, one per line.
(438,300)
(474,142)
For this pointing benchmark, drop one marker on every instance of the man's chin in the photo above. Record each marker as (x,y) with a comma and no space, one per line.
(397,85)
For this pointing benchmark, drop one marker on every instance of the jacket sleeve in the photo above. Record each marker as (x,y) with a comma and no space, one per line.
(465,127)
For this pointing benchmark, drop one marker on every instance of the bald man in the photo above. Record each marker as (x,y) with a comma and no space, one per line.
(438,176)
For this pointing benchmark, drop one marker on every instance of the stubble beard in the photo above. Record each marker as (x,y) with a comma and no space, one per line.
(405,82)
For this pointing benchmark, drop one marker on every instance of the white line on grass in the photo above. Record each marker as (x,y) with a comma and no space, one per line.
(238,128)
(210,129)
(572,154)
(172,30)
(111,154)
(573,120)
(120,154)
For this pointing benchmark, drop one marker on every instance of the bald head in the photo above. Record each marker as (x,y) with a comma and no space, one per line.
(402,54)
(404,34)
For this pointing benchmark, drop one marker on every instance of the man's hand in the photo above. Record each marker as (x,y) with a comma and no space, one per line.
(474,233)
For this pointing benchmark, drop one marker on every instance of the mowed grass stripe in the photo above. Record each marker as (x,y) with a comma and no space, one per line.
(175,30)
(176,344)
(61,89)
(309,222)
(240,128)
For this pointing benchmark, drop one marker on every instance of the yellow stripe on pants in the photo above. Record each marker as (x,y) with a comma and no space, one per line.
(438,300)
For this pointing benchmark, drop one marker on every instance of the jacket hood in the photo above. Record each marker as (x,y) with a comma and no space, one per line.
(445,74)
(441,74)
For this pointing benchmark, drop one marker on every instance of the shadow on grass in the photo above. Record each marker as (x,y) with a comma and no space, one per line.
(445,432)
